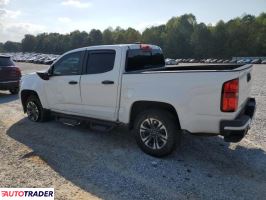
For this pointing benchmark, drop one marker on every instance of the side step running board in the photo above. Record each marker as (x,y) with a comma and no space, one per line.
(101,127)
(94,124)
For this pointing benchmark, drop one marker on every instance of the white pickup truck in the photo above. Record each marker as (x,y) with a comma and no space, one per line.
(130,84)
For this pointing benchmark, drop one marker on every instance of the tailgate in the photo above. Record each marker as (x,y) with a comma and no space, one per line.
(245,82)
(8,74)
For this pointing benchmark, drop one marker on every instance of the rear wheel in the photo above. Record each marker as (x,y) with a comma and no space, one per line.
(35,111)
(156,132)
(14,90)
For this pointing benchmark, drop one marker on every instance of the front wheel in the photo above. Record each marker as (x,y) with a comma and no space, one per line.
(156,132)
(35,111)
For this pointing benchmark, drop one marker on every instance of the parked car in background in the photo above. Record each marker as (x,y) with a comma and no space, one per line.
(241,61)
(192,60)
(234,60)
(9,75)
(247,61)
(256,61)
(263,62)
(178,61)
(169,61)
(208,60)
(226,61)
(37,58)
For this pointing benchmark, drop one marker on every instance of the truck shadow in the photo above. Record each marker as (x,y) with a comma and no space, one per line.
(6,98)
(111,166)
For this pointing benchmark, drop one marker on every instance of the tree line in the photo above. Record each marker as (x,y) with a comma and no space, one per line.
(180,37)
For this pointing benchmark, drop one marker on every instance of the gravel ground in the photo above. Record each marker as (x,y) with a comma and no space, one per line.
(84,164)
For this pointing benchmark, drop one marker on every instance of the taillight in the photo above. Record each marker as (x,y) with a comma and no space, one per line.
(229,102)
(16,72)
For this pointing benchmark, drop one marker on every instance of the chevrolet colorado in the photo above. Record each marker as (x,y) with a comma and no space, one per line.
(130,84)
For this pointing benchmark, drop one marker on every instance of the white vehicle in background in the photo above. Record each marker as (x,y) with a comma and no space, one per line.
(169,61)
(130,84)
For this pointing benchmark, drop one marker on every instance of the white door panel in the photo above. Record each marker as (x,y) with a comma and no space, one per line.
(61,94)
(63,87)
(100,100)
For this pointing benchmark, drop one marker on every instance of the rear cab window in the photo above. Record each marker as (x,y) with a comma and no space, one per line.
(143,59)
(6,61)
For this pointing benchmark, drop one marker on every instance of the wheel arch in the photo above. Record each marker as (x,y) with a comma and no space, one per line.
(24,95)
(139,106)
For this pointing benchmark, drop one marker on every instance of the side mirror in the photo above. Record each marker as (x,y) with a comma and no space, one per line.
(44,75)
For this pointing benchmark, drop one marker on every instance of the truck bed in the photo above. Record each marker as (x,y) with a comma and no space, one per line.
(214,67)
(194,91)
(196,68)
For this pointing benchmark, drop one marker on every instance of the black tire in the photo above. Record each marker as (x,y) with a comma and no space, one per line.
(156,132)
(34,106)
(14,90)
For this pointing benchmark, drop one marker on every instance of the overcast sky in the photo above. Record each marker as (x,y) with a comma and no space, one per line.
(18,17)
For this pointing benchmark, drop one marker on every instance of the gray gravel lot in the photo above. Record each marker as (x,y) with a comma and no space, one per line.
(84,164)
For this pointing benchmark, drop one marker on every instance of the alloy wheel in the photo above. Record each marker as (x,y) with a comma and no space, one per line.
(32,111)
(153,133)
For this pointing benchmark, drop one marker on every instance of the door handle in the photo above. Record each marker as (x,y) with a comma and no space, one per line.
(107,82)
(72,82)
(248,77)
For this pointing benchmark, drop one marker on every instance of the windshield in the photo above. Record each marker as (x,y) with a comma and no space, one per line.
(6,61)
(139,59)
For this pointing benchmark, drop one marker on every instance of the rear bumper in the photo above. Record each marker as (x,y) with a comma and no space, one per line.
(7,85)
(235,130)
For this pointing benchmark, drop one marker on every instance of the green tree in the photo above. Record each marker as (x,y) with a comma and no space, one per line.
(119,35)
(180,37)
(132,36)
(219,40)
(96,37)
(108,36)
(201,40)
(10,46)
(1,47)
(28,43)
(79,39)
(154,35)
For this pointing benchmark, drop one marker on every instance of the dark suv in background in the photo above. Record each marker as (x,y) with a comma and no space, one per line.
(9,75)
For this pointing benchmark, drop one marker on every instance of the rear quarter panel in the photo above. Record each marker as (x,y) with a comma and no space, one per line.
(196,96)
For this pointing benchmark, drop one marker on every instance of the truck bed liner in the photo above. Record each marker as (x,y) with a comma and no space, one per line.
(194,68)
(203,67)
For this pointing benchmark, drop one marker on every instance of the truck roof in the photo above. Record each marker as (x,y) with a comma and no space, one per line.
(130,46)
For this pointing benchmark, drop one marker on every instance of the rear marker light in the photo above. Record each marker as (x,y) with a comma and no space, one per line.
(145,47)
(230,91)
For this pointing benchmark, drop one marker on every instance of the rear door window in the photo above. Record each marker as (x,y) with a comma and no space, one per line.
(100,61)
(139,59)
(6,61)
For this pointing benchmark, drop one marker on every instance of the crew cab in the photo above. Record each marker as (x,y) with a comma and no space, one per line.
(131,85)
